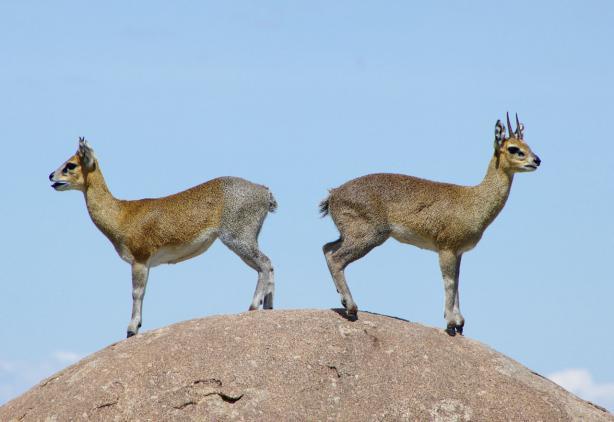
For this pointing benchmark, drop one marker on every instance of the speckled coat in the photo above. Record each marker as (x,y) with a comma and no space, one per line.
(150,232)
(446,218)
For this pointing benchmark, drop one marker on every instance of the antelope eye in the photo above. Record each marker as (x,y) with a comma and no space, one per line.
(71,166)
(517,151)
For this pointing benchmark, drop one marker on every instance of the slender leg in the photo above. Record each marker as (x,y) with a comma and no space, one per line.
(246,247)
(269,290)
(341,253)
(450,270)
(328,249)
(336,271)
(265,288)
(140,273)
(456,309)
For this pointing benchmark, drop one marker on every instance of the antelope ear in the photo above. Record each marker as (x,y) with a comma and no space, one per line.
(499,134)
(86,154)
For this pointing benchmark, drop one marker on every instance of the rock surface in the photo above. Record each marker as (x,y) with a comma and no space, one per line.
(298,365)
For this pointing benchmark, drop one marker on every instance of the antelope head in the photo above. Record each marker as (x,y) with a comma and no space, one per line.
(71,175)
(513,153)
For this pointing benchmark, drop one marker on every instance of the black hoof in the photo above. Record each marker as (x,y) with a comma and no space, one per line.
(130,334)
(352,314)
(453,330)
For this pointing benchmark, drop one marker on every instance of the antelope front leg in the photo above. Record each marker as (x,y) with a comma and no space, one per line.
(450,270)
(140,272)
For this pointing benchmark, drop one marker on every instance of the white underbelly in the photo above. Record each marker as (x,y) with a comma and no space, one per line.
(177,253)
(405,235)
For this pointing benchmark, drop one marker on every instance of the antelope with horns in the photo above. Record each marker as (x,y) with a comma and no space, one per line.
(445,218)
(168,230)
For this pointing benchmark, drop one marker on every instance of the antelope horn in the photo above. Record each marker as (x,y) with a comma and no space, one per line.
(509,125)
(518,131)
(520,128)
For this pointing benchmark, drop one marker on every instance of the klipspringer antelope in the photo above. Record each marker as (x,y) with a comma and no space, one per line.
(445,218)
(168,230)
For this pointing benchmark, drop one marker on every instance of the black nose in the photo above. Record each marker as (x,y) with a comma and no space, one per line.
(51,176)
(537,160)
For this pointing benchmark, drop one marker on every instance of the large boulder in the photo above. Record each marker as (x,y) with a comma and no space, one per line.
(298,365)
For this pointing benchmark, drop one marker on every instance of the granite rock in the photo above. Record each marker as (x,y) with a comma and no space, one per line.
(295,365)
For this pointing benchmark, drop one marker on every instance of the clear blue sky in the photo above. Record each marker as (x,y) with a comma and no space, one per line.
(302,97)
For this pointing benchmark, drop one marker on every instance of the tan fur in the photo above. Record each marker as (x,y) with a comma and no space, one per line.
(138,229)
(446,218)
(168,230)
(143,226)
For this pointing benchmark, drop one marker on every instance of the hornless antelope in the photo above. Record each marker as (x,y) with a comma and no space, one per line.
(445,218)
(150,232)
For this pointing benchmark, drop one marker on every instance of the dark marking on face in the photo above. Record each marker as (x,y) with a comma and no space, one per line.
(68,167)
(516,151)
